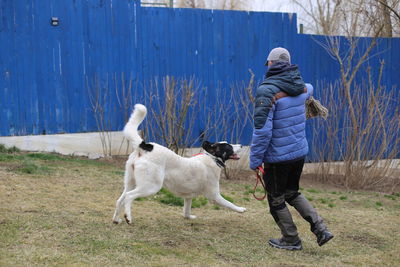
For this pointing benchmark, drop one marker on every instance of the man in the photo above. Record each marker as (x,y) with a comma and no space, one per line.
(279,141)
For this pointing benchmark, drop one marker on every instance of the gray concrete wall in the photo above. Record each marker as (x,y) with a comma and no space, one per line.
(79,144)
(91,145)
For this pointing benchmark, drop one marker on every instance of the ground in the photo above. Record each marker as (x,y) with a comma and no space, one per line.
(57,210)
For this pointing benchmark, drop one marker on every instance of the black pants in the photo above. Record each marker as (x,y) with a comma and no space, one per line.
(282,182)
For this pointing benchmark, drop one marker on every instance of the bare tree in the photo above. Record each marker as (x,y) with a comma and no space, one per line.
(369,161)
(367,115)
(191,3)
(220,4)
(351,17)
(321,16)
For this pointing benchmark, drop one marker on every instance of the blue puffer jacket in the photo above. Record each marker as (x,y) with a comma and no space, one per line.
(279,126)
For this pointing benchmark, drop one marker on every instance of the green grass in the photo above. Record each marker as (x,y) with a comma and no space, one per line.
(57,212)
(168,198)
(312,190)
(392,197)
(310,198)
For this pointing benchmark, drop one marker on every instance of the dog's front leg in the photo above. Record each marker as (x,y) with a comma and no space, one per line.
(225,203)
(187,206)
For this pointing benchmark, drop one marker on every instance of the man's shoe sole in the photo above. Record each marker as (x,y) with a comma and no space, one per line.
(323,242)
(299,247)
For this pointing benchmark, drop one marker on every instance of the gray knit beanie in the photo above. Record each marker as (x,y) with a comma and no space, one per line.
(278,54)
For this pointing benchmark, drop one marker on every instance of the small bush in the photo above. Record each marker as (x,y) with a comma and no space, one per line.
(343,198)
(10,150)
(3,148)
(42,156)
(13,149)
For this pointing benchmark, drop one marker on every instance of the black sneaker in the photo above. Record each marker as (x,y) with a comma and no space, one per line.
(281,243)
(323,237)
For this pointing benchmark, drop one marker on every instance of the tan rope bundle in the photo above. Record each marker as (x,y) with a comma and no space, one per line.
(314,108)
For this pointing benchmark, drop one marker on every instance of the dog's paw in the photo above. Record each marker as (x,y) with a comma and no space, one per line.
(241,209)
(128,219)
(117,221)
(190,217)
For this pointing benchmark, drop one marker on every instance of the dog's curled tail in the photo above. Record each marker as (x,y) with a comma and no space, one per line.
(131,127)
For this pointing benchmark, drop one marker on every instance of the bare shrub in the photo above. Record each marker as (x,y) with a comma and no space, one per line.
(182,114)
(235,114)
(172,112)
(99,95)
(367,157)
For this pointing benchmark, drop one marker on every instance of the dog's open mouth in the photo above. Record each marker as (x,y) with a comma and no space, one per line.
(234,157)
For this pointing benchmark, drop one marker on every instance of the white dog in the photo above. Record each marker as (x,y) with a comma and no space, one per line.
(151,166)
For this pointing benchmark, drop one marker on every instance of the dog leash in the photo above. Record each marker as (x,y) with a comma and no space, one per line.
(260,173)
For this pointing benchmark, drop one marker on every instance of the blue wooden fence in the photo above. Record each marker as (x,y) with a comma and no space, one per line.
(45,70)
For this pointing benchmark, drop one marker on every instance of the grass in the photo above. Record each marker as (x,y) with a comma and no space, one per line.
(58,213)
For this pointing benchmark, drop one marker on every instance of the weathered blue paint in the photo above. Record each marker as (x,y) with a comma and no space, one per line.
(46,71)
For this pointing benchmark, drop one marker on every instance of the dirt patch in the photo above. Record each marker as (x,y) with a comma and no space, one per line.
(366,239)
(312,180)
(117,161)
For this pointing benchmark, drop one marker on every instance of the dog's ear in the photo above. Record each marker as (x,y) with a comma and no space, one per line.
(207,146)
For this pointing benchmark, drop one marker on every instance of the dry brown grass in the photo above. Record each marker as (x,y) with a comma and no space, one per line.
(61,216)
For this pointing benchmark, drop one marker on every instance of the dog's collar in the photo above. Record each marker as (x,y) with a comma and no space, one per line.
(217,160)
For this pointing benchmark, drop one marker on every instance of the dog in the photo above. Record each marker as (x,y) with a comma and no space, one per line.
(151,166)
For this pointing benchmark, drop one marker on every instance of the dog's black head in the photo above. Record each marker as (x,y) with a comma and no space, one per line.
(222,150)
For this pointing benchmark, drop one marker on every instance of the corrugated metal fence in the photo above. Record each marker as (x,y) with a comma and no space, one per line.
(46,71)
